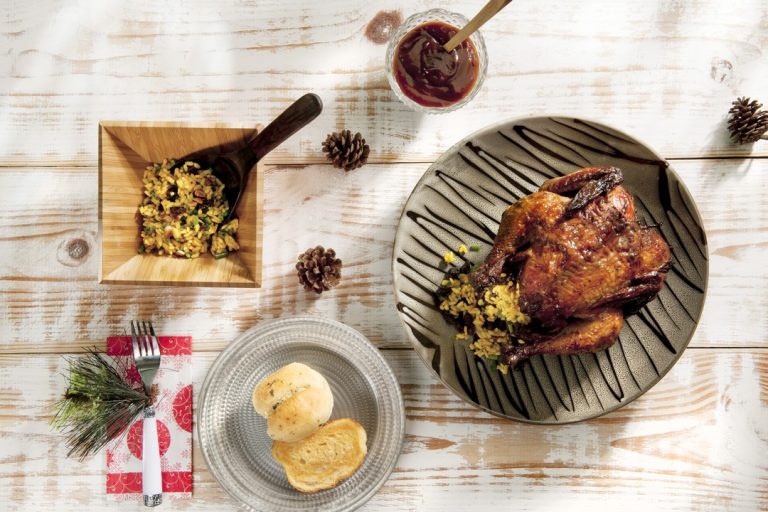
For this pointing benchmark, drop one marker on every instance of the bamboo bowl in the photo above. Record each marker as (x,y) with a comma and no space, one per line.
(125,150)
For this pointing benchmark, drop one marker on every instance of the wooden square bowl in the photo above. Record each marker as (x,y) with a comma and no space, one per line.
(125,150)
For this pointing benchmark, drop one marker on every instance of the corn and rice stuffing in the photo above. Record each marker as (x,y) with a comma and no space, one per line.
(183,212)
(485,318)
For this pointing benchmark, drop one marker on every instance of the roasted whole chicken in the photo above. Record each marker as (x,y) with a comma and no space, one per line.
(581,261)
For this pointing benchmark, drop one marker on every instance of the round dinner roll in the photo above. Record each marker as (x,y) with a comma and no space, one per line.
(300,415)
(274,389)
(296,400)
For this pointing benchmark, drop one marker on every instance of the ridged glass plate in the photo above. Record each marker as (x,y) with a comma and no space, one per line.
(460,199)
(234,440)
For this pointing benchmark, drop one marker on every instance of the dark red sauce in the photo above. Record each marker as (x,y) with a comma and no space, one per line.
(429,75)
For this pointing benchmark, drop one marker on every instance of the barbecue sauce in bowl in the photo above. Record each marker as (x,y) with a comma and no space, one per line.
(431,76)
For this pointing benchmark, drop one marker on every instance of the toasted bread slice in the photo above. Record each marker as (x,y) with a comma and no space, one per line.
(322,460)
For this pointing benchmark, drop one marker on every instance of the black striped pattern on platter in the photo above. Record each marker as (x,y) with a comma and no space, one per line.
(460,199)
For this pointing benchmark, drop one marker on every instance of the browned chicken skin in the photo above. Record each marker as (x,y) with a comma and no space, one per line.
(581,259)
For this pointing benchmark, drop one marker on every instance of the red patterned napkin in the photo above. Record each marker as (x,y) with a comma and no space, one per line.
(173,408)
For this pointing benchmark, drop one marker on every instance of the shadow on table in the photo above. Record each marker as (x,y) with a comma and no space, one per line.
(390,124)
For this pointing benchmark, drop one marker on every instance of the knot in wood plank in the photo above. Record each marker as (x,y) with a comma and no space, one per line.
(75,249)
(78,248)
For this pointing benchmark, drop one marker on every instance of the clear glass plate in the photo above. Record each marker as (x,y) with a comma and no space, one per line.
(234,440)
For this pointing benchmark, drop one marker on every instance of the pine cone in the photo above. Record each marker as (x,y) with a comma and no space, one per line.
(345,151)
(746,122)
(318,269)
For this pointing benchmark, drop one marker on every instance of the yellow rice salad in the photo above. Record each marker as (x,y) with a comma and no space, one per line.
(183,212)
(484,317)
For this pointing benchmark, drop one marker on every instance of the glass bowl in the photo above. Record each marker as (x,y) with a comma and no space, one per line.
(233,437)
(451,18)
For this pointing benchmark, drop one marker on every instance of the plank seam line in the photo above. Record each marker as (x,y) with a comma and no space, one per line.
(387,349)
(43,165)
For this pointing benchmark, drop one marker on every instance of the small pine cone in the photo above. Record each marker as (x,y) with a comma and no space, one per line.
(345,151)
(318,269)
(746,122)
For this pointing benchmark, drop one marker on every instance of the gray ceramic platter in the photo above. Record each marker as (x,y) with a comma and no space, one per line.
(460,199)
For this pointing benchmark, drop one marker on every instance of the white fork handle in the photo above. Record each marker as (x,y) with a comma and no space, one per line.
(151,477)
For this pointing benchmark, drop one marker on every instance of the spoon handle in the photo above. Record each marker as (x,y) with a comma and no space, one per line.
(487,12)
(300,113)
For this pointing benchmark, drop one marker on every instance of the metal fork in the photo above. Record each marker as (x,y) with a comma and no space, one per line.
(146,354)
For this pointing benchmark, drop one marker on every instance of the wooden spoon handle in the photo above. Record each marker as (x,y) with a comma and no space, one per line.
(299,114)
(487,12)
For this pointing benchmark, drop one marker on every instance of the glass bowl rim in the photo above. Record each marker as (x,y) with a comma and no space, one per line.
(421,18)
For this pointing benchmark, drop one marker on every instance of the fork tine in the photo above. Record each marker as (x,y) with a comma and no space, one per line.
(142,340)
(135,340)
(152,339)
(155,339)
(148,340)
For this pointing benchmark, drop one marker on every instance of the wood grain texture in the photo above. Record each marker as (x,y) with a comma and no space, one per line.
(51,302)
(664,71)
(694,442)
(125,151)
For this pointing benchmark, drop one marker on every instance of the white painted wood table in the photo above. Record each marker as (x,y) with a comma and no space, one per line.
(662,70)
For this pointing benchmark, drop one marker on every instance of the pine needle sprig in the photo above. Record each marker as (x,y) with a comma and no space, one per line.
(99,403)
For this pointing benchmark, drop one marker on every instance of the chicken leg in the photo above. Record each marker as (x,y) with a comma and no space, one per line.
(588,335)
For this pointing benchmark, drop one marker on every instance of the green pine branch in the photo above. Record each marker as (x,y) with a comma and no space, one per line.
(98,405)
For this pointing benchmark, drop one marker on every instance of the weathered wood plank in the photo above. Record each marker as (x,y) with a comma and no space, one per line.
(695,442)
(50,300)
(664,72)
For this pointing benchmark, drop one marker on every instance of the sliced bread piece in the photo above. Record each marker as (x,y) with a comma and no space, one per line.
(322,460)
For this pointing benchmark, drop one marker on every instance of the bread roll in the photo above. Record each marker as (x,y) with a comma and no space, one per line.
(300,415)
(288,380)
(296,400)
(322,460)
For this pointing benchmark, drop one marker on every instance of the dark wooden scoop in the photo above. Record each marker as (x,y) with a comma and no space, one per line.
(233,168)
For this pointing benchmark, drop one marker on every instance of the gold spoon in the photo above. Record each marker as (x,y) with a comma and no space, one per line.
(486,13)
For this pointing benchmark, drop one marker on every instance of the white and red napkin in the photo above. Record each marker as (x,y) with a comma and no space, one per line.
(173,409)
